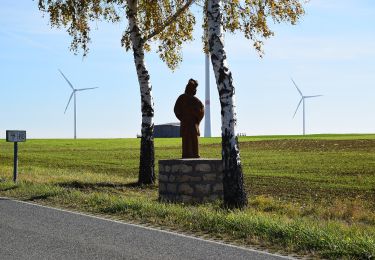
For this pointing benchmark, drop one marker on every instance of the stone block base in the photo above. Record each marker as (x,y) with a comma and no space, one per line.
(190,180)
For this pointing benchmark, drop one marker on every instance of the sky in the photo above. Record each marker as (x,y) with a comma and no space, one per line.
(330,52)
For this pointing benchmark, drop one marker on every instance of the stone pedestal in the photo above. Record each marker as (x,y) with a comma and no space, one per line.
(190,180)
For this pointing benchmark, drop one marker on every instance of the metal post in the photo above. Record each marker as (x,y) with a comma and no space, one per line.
(15,166)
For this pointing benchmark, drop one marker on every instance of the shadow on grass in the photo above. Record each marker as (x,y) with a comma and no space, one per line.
(103,185)
(8,188)
(40,197)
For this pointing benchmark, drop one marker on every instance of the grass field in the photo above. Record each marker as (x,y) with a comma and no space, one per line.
(312,195)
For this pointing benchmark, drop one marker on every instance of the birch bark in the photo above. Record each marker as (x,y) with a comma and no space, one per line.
(146,163)
(234,192)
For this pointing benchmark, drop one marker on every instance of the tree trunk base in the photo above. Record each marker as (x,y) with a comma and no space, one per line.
(147,162)
(234,192)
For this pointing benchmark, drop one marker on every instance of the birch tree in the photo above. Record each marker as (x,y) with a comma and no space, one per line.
(250,17)
(167,22)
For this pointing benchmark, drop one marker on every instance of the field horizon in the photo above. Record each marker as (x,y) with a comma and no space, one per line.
(319,135)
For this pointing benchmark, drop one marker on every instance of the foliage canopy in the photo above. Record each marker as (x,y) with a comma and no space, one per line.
(253,18)
(169,23)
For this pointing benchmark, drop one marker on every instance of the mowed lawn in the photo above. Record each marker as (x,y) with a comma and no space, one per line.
(312,195)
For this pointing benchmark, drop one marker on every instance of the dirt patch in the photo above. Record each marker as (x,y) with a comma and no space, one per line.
(300,190)
(311,145)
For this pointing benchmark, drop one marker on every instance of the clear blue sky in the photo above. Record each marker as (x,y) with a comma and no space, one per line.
(330,52)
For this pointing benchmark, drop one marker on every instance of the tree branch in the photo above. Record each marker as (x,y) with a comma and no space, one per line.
(170,20)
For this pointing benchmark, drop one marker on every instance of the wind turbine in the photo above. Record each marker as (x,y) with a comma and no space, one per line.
(75,106)
(302,101)
(207,112)
(207,109)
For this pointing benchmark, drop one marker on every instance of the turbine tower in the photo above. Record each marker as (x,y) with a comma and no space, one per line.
(75,99)
(303,104)
(207,112)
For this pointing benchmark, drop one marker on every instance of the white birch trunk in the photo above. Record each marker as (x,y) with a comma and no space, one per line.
(234,192)
(146,164)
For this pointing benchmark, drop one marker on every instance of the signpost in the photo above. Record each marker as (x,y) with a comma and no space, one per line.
(15,136)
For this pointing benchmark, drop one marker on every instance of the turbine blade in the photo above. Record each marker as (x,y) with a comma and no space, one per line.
(297,87)
(80,89)
(69,101)
(313,96)
(298,107)
(70,84)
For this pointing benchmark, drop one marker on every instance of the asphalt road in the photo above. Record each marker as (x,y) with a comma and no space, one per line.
(29,231)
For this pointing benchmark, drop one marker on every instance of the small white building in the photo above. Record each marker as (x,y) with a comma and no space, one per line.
(167,130)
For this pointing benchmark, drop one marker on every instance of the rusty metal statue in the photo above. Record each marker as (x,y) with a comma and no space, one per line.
(190,111)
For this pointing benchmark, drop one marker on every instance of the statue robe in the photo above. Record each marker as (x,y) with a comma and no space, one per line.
(190,111)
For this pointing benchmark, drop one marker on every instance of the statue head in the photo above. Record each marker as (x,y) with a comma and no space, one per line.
(191,87)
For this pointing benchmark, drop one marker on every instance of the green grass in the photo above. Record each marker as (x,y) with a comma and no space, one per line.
(311,195)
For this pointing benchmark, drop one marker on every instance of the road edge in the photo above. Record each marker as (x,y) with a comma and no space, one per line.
(85,214)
